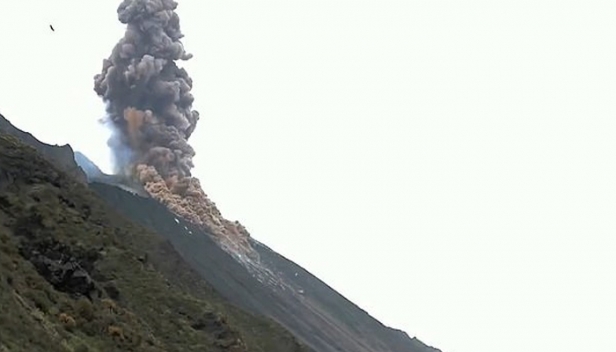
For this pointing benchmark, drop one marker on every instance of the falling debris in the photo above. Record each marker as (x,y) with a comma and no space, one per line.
(149,111)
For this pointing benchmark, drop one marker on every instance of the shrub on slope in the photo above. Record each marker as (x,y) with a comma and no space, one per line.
(76,276)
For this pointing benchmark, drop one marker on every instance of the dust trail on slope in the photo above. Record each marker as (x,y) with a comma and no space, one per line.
(149,110)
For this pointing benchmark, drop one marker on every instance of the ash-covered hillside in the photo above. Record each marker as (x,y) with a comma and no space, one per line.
(99,267)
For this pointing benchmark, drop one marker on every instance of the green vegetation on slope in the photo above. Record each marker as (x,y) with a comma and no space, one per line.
(76,276)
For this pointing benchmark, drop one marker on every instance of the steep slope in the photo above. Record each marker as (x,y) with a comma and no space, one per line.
(75,275)
(270,286)
(306,306)
(323,298)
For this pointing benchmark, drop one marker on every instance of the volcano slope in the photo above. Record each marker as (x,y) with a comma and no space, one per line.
(225,284)
(76,275)
(311,310)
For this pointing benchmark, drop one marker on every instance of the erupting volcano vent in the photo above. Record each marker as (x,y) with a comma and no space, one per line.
(149,110)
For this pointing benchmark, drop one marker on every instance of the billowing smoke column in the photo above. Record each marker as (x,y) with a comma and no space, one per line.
(149,109)
(148,97)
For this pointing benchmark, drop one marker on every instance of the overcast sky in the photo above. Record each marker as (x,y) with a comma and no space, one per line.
(446,165)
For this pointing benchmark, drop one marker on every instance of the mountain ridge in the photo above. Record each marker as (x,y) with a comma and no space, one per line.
(273,286)
(76,275)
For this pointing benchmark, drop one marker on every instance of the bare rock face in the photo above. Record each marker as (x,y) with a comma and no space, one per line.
(62,156)
(61,268)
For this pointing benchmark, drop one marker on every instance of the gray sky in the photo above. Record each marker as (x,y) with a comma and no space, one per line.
(448,167)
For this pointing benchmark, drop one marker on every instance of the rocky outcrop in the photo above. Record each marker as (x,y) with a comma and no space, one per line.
(62,268)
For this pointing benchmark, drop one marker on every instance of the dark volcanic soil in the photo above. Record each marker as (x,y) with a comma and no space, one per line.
(272,287)
(310,309)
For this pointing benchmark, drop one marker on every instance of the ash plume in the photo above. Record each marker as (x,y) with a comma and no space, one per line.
(149,110)
(149,104)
